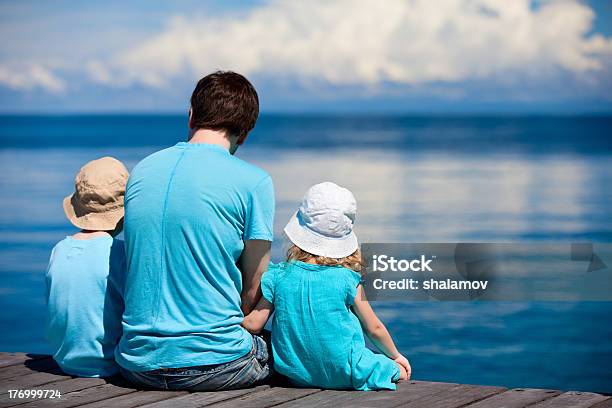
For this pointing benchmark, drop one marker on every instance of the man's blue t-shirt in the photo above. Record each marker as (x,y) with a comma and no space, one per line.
(189,209)
(84,304)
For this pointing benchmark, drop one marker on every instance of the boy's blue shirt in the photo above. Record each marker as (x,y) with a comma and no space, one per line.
(84,283)
(316,338)
(189,209)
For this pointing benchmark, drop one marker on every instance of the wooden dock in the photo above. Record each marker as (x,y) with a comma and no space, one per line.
(19,371)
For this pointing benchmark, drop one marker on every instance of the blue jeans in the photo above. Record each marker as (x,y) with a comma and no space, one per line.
(252,369)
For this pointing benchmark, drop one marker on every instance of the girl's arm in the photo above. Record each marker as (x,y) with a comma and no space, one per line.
(256,320)
(376,330)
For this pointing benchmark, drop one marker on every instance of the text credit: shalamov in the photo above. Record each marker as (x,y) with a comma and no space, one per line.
(487,271)
(386,263)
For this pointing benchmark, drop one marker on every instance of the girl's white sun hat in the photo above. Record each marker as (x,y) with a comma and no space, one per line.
(323,225)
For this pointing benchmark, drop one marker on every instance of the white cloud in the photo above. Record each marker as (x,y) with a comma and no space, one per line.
(366,42)
(30,77)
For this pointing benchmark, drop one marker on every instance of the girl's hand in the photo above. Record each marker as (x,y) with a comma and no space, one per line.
(403,361)
(403,373)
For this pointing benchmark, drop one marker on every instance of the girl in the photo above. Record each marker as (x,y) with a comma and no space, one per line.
(320,307)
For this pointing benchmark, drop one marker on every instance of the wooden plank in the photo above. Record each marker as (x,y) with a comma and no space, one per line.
(267,398)
(65,386)
(572,399)
(199,399)
(15,371)
(327,398)
(32,372)
(31,380)
(605,404)
(9,359)
(515,398)
(135,399)
(77,398)
(30,367)
(406,392)
(457,396)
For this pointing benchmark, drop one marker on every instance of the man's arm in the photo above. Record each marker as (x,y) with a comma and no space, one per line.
(253,263)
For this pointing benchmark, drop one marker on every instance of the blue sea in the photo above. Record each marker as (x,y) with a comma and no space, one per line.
(416,179)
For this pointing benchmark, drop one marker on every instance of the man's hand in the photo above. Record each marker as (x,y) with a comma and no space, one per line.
(253,263)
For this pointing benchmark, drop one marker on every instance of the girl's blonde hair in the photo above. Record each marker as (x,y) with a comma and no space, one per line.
(353,261)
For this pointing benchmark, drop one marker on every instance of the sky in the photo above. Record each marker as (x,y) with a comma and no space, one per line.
(408,56)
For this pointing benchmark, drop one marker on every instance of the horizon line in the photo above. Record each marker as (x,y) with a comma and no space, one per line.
(307,113)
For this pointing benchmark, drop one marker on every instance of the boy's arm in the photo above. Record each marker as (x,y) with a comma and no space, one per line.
(256,320)
(376,330)
(253,263)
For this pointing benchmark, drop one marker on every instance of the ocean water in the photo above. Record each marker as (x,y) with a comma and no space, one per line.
(416,179)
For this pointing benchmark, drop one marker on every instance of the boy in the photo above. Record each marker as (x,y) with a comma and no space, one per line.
(86,273)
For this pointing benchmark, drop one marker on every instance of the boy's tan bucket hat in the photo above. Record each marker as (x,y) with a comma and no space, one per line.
(97,203)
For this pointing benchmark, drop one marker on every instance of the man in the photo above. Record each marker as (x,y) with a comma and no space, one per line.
(198,228)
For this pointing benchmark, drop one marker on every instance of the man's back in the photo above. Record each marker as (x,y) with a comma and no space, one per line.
(189,210)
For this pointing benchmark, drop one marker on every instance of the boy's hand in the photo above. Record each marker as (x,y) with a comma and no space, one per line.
(403,361)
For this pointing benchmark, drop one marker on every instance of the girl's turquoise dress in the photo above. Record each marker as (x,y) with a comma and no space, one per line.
(317,341)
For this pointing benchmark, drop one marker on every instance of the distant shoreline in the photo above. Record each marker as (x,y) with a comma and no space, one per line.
(330,114)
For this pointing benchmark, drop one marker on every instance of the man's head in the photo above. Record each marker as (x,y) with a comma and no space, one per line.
(227,101)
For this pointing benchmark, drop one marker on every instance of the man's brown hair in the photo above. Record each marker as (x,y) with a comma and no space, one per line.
(225,100)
